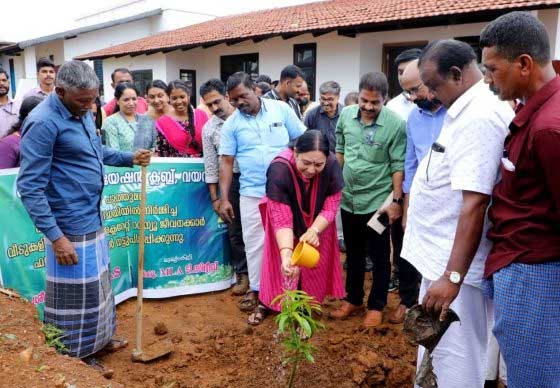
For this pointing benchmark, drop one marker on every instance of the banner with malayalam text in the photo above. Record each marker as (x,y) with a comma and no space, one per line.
(186,251)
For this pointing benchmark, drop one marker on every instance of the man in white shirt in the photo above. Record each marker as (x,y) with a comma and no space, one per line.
(401,104)
(445,237)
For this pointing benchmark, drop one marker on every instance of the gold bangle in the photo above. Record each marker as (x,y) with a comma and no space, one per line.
(291,249)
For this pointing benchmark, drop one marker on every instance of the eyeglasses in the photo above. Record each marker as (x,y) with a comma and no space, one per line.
(412,91)
(329,100)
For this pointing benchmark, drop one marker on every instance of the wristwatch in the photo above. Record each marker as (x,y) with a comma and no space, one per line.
(398,201)
(453,276)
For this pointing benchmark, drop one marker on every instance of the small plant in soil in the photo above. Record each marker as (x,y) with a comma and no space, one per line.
(297,324)
(53,337)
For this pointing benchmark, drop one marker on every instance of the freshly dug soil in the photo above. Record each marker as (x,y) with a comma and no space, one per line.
(25,360)
(212,347)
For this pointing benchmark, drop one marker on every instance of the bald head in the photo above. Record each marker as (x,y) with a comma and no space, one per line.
(415,90)
(411,76)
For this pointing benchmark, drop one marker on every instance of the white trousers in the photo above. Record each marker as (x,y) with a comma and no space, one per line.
(459,359)
(253,237)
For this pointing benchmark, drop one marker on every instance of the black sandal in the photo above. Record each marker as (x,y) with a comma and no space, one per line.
(98,366)
(249,301)
(258,315)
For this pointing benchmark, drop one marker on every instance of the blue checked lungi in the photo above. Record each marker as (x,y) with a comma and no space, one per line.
(527,323)
(79,299)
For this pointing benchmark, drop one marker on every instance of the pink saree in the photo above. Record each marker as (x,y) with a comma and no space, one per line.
(326,278)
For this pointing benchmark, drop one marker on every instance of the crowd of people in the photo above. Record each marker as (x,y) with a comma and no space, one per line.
(467,155)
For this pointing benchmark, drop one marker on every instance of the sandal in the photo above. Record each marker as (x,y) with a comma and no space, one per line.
(115,344)
(249,301)
(98,366)
(258,315)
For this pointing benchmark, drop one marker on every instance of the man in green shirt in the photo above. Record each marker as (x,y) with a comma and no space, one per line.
(370,145)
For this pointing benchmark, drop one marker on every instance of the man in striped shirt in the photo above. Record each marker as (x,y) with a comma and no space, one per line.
(291,81)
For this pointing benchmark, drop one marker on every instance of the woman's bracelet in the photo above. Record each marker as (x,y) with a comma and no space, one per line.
(291,249)
(214,200)
(314,229)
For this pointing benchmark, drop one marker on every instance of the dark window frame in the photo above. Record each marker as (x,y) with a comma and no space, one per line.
(302,47)
(182,72)
(140,83)
(223,58)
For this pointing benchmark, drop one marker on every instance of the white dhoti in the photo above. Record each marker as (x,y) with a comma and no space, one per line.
(459,359)
(253,237)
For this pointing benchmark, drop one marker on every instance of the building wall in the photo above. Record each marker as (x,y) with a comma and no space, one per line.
(55,47)
(339,58)
(107,37)
(177,18)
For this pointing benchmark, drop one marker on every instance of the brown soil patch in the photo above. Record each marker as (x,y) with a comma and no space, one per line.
(25,360)
(212,347)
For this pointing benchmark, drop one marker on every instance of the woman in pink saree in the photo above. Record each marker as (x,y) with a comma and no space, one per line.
(180,130)
(303,192)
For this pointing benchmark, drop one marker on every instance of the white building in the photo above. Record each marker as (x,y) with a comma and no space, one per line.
(331,40)
(131,20)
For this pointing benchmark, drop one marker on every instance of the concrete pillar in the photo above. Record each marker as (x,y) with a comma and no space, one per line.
(30,62)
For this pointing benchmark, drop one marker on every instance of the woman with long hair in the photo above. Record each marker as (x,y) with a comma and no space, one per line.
(303,190)
(158,100)
(126,130)
(9,144)
(180,130)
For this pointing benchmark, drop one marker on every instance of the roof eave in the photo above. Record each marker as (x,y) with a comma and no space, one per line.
(348,30)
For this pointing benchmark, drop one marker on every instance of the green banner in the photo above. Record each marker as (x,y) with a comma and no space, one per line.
(186,252)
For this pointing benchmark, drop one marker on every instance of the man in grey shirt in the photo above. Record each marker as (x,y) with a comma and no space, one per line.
(325,116)
(213,92)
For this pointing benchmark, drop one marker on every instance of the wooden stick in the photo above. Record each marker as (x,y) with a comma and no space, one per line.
(141,239)
(9,292)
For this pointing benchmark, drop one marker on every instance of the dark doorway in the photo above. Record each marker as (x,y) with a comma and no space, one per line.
(305,57)
(189,77)
(390,53)
(249,63)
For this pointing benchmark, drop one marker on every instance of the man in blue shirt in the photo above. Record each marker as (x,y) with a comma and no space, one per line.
(422,130)
(60,183)
(253,135)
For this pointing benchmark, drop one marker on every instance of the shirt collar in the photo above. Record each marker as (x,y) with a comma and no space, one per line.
(338,109)
(440,110)
(535,102)
(381,118)
(465,99)
(276,95)
(263,108)
(9,105)
(56,102)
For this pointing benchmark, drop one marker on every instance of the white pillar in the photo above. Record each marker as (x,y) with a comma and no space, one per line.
(30,62)
(555,39)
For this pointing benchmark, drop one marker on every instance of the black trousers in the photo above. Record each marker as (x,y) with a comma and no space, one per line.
(238,258)
(359,239)
(409,277)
